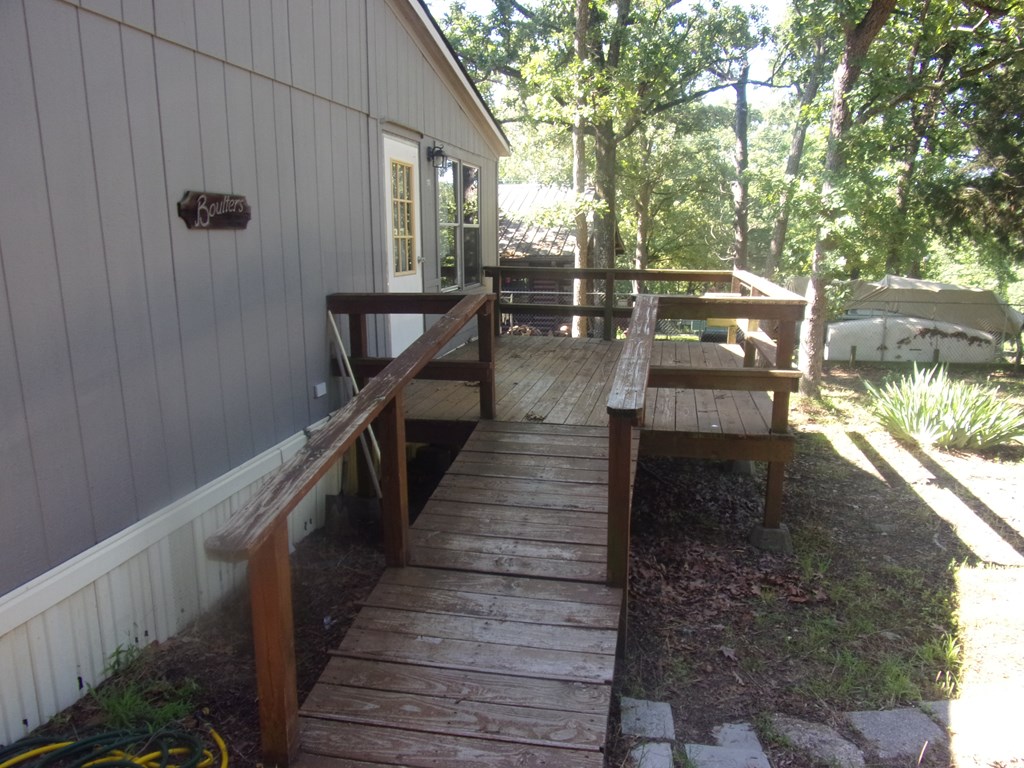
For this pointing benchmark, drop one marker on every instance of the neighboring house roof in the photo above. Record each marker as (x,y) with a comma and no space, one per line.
(529,227)
(458,74)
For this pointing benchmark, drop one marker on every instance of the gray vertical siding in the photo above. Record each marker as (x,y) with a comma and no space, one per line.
(138,359)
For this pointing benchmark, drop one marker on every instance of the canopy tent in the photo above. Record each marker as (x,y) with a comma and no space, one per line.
(969,307)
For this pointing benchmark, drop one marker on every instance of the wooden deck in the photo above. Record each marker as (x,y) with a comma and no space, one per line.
(496,647)
(560,380)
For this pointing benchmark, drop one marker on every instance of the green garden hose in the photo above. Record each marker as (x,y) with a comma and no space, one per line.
(119,749)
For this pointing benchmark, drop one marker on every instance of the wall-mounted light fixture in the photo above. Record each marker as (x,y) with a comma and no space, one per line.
(437,157)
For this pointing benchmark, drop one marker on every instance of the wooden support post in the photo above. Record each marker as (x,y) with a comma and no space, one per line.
(780,413)
(620,437)
(394,482)
(486,333)
(773,494)
(749,353)
(785,345)
(358,340)
(270,589)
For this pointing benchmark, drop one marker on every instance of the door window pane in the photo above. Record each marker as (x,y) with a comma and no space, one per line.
(471,255)
(449,257)
(470,195)
(403,225)
(459,243)
(447,205)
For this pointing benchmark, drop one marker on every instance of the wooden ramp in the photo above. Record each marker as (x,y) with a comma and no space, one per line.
(496,647)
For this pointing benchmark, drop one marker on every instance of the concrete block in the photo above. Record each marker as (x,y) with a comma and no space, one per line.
(736,736)
(701,756)
(655,754)
(896,734)
(775,540)
(819,741)
(647,719)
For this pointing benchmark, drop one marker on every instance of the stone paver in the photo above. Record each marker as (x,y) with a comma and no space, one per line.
(650,720)
(657,754)
(896,733)
(736,736)
(820,741)
(702,756)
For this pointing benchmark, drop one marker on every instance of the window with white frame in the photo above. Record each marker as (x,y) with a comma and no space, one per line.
(458,206)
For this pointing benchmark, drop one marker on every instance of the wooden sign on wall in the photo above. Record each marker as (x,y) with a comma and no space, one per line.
(214,210)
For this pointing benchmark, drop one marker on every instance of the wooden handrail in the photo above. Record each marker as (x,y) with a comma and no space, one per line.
(752,307)
(758,284)
(359,305)
(594,273)
(629,383)
(625,411)
(736,379)
(635,373)
(766,301)
(248,529)
(259,530)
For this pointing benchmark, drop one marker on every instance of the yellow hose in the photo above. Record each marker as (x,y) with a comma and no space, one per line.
(149,760)
(34,753)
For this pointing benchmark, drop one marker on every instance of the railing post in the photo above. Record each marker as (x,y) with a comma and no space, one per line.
(609,303)
(496,312)
(394,481)
(785,345)
(270,589)
(620,439)
(486,333)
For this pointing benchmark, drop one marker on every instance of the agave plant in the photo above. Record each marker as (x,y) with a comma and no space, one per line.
(929,408)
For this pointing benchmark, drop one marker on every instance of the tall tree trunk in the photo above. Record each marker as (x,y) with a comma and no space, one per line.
(581,258)
(641,250)
(898,261)
(812,330)
(741,184)
(903,257)
(808,93)
(604,185)
(605,153)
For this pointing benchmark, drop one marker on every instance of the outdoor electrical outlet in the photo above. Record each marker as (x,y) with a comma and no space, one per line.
(319,390)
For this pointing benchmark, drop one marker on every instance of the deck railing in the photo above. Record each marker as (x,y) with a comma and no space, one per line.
(613,304)
(259,533)
(759,300)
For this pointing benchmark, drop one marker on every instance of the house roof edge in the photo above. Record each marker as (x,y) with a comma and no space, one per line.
(419,7)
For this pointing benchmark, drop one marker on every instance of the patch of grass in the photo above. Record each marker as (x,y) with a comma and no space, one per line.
(768,734)
(681,759)
(133,697)
(884,637)
(944,655)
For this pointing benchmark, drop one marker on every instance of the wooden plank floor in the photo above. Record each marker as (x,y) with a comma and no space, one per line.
(559,380)
(497,646)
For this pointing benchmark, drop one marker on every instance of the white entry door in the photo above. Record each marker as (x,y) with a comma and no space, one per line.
(404,250)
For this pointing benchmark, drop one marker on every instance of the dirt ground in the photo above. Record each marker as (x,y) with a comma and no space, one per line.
(713,621)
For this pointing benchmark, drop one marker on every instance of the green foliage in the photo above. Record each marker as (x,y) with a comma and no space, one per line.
(945,655)
(133,698)
(930,408)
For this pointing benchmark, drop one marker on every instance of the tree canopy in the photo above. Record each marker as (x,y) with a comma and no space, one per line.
(893,145)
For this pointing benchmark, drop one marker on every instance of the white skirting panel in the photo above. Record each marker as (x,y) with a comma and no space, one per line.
(143,585)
